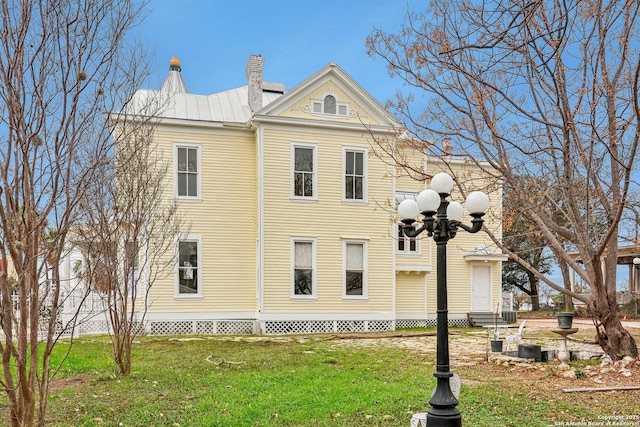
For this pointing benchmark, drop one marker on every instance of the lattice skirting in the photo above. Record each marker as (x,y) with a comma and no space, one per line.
(204,327)
(249,327)
(424,323)
(325,326)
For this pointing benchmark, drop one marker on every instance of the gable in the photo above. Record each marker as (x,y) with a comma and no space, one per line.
(308,101)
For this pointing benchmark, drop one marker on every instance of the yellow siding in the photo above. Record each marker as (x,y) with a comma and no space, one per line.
(329,220)
(225,219)
(411,294)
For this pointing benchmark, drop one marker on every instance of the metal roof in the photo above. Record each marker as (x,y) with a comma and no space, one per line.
(228,106)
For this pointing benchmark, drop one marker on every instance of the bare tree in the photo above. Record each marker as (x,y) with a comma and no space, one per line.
(62,65)
(128,227)
(546,94)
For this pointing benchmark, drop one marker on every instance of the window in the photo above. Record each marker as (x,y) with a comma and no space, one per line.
(132,266)
(189,267)
(355,270)
(329,105)
(354,175)
(187,171)
(304,171)
(406,244)
(304,276)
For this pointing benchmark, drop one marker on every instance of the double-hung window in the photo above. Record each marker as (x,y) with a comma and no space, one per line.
(355,269)
(187,169)
(305,177)
(304,267)
(189,267)
(355,166)
(406,245)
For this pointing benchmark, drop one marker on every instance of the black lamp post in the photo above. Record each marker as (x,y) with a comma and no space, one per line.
(448,217)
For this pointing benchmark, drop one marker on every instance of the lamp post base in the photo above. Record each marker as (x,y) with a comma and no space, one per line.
(446,417)
(443,411)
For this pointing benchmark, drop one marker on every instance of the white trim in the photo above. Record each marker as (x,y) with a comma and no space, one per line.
(306,145)
(415,268)
(200,315)
(365,268)
(260,247)
(472,268)
(198,148)
(314,267)
(197,238)
(365,173)
(310,316)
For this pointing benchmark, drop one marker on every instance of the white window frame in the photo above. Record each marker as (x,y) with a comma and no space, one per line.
(304,145)
(365,269)
(407,245)
(365,176)
(196,238)
(198,149)
(315,102)
(314,267)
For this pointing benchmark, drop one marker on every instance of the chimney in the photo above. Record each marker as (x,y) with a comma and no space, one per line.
(254,81)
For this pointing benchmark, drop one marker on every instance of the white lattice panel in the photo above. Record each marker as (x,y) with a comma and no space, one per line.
(380,325)
(232,327)
(298,327)
(171,328)
(93,327)
(411,323)
(206,327)
(350,326)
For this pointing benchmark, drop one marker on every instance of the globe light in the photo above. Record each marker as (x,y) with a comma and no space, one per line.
(428,201)
(636,261)
(408,209)
(442,183)
(455,211)
(477,202)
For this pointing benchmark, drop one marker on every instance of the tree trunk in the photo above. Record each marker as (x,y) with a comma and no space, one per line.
(534,291)
(535,301)
(614,339)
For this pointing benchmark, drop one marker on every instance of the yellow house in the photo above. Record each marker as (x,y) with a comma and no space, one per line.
(292,224)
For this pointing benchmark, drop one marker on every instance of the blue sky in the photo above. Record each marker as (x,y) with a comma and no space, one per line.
(214,38)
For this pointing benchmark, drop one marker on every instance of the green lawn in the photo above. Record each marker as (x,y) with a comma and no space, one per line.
(294,381)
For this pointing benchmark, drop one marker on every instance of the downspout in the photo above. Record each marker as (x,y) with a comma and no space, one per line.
(260,248)
(394,236)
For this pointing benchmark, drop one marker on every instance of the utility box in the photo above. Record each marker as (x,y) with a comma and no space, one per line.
(530,351)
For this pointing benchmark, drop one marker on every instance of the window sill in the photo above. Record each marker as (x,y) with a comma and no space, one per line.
(408,254)
(362,202)
(183,297)
(303,199)
(304,298)
(189,199)
(353,298)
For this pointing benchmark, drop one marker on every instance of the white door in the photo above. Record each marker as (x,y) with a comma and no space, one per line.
(481,288)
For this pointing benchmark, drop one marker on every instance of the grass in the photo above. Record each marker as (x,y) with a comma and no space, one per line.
(295,381)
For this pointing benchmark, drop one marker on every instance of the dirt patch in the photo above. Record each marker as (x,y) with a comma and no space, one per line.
(74,382)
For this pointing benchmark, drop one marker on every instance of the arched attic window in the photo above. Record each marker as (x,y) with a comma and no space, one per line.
(329,105)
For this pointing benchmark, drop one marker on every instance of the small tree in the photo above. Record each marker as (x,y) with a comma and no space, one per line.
(546,94)
(129,227)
